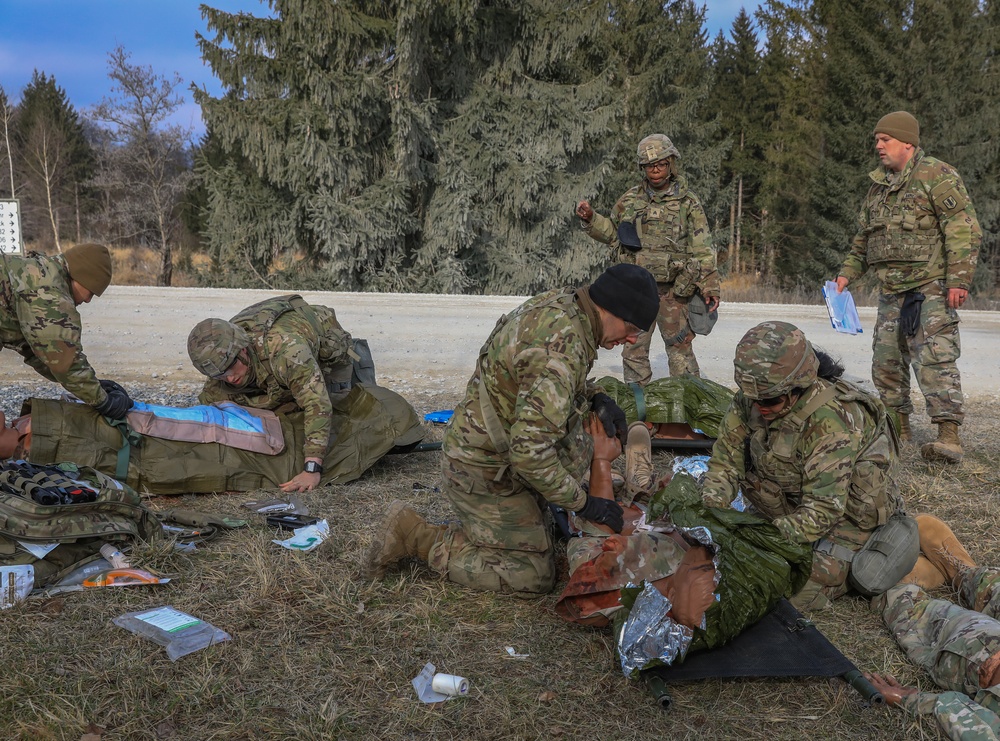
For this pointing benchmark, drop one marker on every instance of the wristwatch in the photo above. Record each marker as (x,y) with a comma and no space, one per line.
(313,467)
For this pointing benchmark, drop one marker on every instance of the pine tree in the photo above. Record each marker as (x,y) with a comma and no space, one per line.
(53,160)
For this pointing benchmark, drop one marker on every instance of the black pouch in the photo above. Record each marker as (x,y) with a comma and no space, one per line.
(909,313)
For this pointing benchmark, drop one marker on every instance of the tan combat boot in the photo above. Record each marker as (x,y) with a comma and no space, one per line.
(905,433)
(924,574)
(947,447)
(939,544)
(403,534)
(638,461)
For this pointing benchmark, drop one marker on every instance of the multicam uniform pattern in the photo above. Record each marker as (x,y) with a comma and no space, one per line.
(821,473)
(677,250)
(956,646)
(39,320)
(533,370)
(918,230)
(296,361)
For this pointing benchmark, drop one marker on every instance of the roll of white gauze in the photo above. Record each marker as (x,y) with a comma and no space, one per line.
(449,684)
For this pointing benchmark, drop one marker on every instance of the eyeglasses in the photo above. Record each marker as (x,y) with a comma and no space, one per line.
(772,402)
(658,165)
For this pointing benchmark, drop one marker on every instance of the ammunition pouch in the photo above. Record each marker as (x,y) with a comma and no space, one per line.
(686,277)
(766,496)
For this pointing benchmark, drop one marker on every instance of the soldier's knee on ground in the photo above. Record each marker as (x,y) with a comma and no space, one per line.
(524,575)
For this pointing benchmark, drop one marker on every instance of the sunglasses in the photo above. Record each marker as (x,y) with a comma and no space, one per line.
(772,401)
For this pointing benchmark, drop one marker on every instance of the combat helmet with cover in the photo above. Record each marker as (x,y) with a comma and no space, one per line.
(214,344)
(654,148)
(772,359)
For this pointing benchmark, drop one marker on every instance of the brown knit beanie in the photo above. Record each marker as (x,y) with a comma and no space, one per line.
(90,266)
(900,125)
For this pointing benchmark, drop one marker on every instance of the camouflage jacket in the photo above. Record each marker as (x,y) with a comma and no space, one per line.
(958,715)
(829,458)
(291,355)
(916,227)
(534,369)
(39,320)
(673,229)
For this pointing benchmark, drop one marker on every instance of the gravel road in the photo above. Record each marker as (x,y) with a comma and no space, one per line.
(428,343)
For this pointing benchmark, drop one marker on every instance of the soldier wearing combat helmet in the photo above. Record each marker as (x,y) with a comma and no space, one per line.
(39,296)
(918,230)
(666,232)
(812,452)
(279,352)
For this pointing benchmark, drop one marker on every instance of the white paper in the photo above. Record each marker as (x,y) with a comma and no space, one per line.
(422,686)
(168,619)
(38,550)
(306,538)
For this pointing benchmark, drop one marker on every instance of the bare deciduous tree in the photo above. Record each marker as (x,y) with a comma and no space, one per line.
(145,166)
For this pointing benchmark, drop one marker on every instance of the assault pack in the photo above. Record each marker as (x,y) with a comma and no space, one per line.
(77,508)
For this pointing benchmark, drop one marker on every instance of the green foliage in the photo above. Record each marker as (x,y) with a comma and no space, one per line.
(442,146)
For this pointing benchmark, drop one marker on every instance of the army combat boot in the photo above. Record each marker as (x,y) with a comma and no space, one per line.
(939,544)
(924,574)
(903,427)
(403,534)
(638,461)
(947,447)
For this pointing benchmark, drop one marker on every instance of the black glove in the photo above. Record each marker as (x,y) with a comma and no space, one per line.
(117,403)
(604,511)
(611,416)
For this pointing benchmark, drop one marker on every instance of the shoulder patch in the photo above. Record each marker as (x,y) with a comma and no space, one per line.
(948,198)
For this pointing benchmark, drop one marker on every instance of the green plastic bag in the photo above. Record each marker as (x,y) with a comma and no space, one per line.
(697,401)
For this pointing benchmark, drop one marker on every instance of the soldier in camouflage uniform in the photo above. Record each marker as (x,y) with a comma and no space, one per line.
(918,230)
(675,247)
(959,646)
(810,451)
(39,319)
(281,353)
(517,441)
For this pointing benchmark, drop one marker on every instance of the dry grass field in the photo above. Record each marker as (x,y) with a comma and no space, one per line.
(319,653)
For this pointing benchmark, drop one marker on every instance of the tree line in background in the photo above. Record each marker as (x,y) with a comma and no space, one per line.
(442,146)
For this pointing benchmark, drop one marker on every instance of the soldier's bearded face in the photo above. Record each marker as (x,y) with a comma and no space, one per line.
(892,153)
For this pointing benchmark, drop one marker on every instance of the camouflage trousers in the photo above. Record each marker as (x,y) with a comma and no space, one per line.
(672,321)
(828,578)
(502,543)
(932,352)
(949,641)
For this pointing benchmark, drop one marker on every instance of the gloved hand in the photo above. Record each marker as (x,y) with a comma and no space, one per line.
(611,416)
(117,403)
(603,511)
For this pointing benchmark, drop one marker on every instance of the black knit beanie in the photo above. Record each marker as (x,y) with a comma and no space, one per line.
(629,292)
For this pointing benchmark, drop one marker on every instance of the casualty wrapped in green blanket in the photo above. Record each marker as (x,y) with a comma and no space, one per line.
(367,424)
(697,401)
(757,564)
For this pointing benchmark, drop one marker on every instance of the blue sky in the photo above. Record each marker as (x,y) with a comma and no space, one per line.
(70,41)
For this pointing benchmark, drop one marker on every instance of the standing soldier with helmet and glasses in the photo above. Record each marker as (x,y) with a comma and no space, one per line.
(918,230)
(811,452)
(279,352)
(674,244)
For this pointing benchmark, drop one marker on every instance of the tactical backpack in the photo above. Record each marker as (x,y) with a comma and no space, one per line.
(77,507)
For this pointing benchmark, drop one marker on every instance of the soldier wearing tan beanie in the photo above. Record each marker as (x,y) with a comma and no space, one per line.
(918,231)
(39,296)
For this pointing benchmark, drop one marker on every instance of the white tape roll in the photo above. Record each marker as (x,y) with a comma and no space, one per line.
(449,684)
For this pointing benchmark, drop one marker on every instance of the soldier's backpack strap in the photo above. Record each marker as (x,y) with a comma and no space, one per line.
(130,439)
(640,401)
(800,417)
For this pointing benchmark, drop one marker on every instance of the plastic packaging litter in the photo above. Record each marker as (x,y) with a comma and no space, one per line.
(16,582)
(431,687)
(649,634)
(306,538)
(291,506)
(441,417)
(176,631)
(843,313)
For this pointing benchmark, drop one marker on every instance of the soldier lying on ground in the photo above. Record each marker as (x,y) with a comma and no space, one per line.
(370,422)
(810,451)
(279,353)
(959,646)
(39,319)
